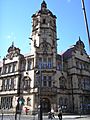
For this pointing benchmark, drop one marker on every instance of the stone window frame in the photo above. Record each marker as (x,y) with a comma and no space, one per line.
(44,63)
(6,102)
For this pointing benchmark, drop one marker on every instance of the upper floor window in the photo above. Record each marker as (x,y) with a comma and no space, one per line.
(5,84)
(79,83)
(59,66)
(84,83)
(44,83)
(10,68)
(44,78)
(26,83)
(87,84)
(23,64)
(12,82)
(49,78)
(44,63)
(49,63)
(14,67)
(47,81)
(6,69)
(62,82)
(8,84)
(82,65)
(29,65)
(40,63)
(44,21)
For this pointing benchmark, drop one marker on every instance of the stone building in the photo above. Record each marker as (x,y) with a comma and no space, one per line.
(60,80)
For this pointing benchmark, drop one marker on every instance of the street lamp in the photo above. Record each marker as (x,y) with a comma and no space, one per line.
(86,22)
(18,111)
(39,95)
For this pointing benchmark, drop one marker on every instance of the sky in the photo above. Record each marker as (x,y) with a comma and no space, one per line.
(16,23)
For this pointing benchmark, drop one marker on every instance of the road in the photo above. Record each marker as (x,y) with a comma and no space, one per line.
(28,117)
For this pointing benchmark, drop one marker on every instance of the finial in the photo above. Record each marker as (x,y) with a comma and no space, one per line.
(79,38)
(13,43)
(43,1)
(43,5)
(80,43)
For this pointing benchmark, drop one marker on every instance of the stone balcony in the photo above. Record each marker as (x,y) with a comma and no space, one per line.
(48,91)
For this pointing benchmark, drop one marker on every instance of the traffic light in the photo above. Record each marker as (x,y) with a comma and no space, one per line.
(21,101)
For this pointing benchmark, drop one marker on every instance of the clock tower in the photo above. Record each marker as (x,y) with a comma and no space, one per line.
(44,37)
(44,49)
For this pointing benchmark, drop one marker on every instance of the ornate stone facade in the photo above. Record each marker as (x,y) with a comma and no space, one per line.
(64,79)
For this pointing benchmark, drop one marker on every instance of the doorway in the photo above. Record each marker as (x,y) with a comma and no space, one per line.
(46,106)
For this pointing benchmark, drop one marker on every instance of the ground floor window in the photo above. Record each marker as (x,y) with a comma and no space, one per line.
(6,102)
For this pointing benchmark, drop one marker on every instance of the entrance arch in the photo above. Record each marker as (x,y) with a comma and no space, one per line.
(46,105)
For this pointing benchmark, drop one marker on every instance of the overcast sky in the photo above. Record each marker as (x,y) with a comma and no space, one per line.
(15,23)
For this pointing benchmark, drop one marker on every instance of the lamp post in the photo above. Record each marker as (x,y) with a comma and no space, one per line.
(18,94)
(39,95)
(86,22)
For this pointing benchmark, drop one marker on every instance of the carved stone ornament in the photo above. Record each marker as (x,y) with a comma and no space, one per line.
(45,47)
(12,52)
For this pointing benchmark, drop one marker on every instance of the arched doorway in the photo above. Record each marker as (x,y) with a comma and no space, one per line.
(46,106)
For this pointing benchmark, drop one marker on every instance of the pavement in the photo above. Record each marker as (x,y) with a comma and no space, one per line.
(64,117)
(35,117)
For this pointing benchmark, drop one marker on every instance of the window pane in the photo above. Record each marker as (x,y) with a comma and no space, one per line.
(49,63)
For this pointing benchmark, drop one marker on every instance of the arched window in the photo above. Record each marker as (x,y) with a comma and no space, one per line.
(62,82)
(26,83)
(44,21)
